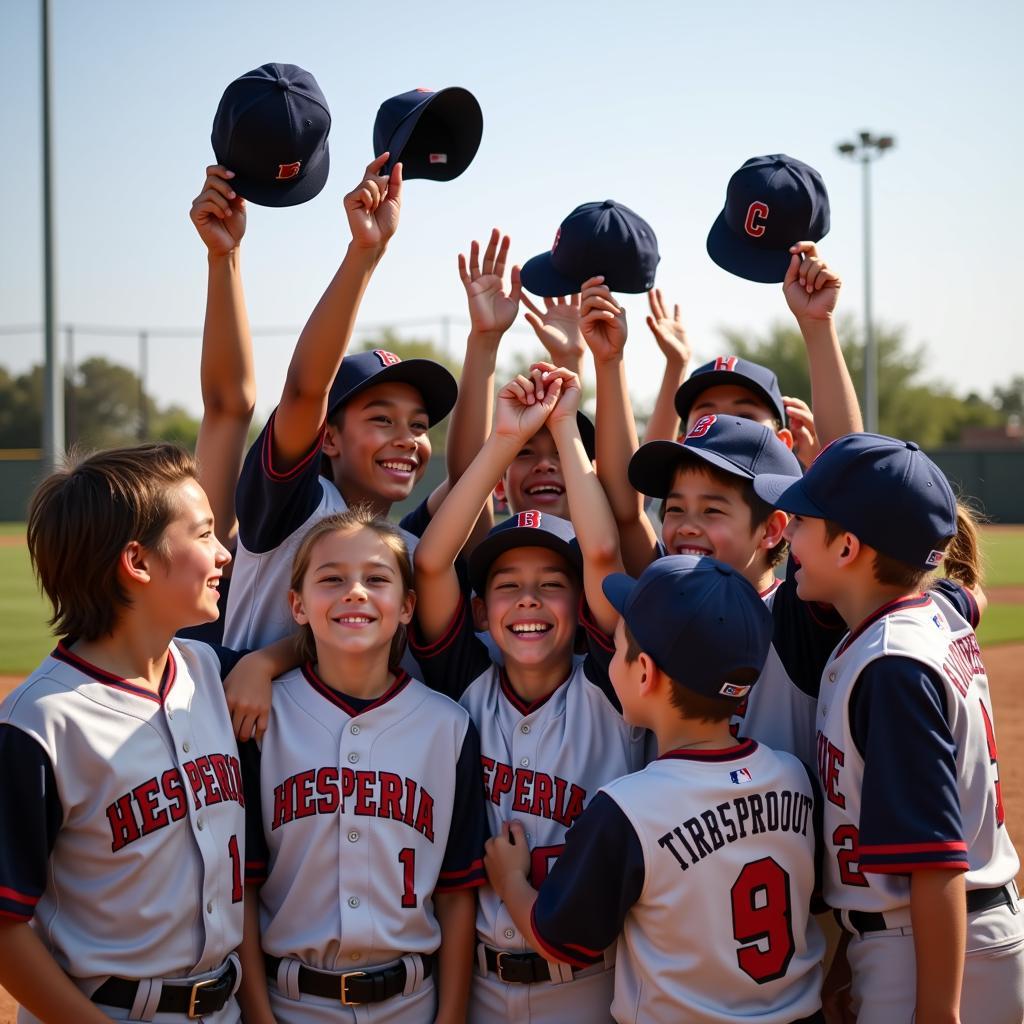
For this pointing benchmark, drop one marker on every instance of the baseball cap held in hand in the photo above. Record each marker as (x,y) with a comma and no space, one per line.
(596,238)
(772,202)
(271,129)
(434,134)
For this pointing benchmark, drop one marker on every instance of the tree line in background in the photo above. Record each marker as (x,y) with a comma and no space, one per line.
(105,405)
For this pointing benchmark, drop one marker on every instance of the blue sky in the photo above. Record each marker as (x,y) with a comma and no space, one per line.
(652,104)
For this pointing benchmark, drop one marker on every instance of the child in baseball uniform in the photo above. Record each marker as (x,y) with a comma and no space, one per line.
(346,430)
(122,822)
(366,811)
(551,731)
(918,863)
(701,867)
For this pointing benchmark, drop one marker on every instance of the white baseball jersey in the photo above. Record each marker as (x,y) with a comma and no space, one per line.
(542,762)
(702,867)
(122,820)
(365,810)
(907,757)
(275,510)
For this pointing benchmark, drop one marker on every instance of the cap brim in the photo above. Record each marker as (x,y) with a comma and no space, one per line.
(617,588)
(654,464)
(486,553)
(540,278)
(432,380)
(688,391)
(787,494)
(286,193)
(730,252)
(459,108)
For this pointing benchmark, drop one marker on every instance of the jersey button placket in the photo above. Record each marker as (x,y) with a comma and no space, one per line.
(355,857)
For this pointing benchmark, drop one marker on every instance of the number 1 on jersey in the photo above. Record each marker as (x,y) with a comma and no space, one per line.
(407,858)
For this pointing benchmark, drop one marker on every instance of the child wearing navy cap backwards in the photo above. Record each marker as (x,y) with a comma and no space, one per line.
(701,864)
(918,863)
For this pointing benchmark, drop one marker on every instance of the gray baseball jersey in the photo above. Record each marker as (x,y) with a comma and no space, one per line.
(365,809)
(122,821)
(702,866)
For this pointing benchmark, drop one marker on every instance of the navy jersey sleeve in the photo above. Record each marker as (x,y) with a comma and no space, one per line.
(228,658)
(416,521)
(584,900)
(271,505)
(960,598)
(600,648)
(818,904)
(456,658)
(805,633)
(257,854)
(463,864)
(910,807)
(30,817)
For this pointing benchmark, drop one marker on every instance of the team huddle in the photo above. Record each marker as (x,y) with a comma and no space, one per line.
(601,730)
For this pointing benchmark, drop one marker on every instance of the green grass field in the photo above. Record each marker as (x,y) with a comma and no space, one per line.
(24,637)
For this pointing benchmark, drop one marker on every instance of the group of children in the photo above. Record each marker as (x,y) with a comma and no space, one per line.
(565,767)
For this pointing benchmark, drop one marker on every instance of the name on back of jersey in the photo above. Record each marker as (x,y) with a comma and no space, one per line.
(753,814)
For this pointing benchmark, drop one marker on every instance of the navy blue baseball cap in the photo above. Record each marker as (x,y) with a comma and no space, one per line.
(367,369)
(771,203)
(529,529)
(434,134)
(886,492)
(700,620)
(596,238)
(730,443)
(271,129)
(731,370)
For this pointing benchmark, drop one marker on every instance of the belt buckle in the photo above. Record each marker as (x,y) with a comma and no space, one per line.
(345,1001)
(194,995)
(499,965)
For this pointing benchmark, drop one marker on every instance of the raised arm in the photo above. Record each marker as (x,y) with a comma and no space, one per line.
(811,291)
(604,330)
(670,334)
(558,330)
(226,372)
(372,209)
(523,406)
(591,516)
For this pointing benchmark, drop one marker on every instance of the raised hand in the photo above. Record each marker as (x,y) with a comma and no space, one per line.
(492,310)
(568,403)
(668,331)
(801,424)
(558,328)
(373,206)
(524,404)
(811,289)
(603,320)
(218,213)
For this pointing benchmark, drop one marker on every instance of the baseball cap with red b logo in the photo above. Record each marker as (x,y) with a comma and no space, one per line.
(271,129)
(771,203)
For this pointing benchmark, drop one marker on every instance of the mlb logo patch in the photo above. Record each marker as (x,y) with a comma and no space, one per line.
(702,426)
(386,358)
(940,621)
(438,158)
(732,690)
(529,519)
(286,171)
(740,776)
(935,557)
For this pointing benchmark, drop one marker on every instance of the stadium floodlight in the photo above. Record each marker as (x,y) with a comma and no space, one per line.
(865,150)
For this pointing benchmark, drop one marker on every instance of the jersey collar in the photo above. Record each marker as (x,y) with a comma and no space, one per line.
(742,749)
(63,653)
(339,700)
(900,604)
(526,707)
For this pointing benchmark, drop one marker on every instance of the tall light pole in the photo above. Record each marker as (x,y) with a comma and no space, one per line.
(866,149)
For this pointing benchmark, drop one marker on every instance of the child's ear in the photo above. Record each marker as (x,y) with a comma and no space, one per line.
(499,491)
(647,684)
(785,435)
(135,562)
(479,615)
(408,607)
(298,611)
(331,445)
(773,528)
(849,548)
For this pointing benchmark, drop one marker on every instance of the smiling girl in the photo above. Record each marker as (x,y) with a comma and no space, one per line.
(366,802)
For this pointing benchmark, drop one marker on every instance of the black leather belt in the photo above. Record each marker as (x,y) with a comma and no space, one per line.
(353,987)
(198,999)
(519,968)
(977,899)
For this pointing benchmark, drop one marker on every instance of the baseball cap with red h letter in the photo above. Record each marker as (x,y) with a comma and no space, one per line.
(771,203)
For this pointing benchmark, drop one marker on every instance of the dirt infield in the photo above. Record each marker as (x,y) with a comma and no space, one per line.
(1005,675)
